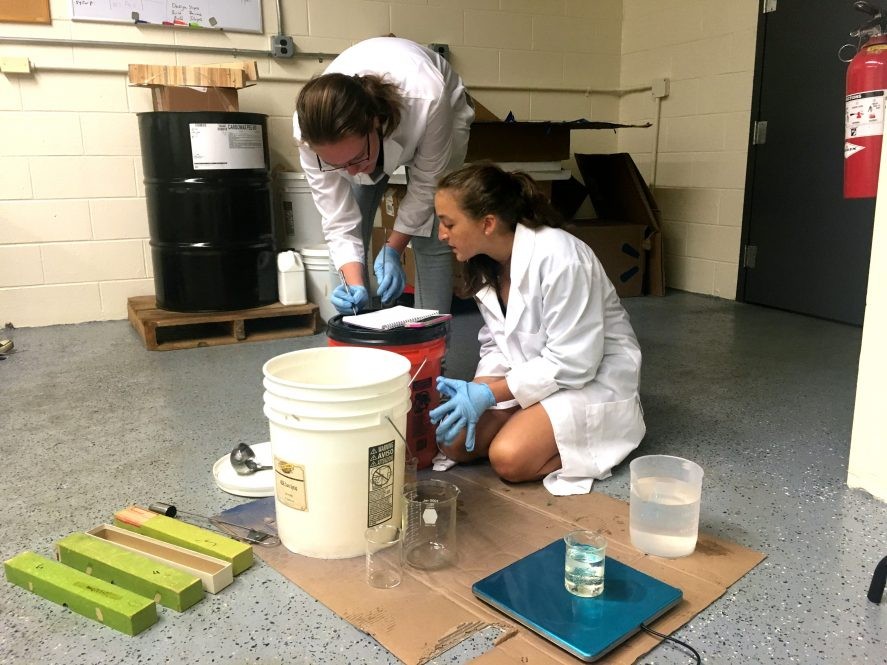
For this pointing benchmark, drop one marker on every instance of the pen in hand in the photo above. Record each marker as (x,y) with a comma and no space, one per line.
(347,290)
(384,262)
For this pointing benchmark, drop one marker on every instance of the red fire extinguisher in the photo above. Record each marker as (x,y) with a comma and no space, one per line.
(864,118)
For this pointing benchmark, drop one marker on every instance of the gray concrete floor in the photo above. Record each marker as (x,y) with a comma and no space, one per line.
(91,422)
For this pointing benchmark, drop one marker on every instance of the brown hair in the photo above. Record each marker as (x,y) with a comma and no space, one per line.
(333,106)
(484,189)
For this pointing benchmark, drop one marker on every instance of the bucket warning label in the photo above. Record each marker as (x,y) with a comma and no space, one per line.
(864,114)
(289,481)
(380,499)
(226,146)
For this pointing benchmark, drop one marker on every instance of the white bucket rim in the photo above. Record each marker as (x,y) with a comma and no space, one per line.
(315,251)
(398,365)
(292,175)
(356,406)
(353,394)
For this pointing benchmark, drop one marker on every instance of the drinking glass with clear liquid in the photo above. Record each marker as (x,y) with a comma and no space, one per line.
(666,494)
(584,563)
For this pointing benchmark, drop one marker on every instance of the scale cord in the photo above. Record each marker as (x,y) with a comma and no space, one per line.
(675,640)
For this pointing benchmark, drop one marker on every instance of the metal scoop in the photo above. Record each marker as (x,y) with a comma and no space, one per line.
(253,536)
(243,462)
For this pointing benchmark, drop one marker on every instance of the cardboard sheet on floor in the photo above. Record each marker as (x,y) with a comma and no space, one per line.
(497,524)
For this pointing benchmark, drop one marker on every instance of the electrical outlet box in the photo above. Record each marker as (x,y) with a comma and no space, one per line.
(660,88)
(282,46)
(15,65)
(443,50)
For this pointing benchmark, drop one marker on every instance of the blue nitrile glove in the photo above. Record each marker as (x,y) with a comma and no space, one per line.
(467,401)
(389,274)
(346,300)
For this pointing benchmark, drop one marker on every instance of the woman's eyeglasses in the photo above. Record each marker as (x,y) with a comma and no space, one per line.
(323,166)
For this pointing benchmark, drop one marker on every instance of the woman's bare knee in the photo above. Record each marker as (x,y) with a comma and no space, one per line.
(508,463)
(524,448)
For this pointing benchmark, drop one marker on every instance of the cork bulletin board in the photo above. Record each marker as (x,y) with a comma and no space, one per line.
(25,11)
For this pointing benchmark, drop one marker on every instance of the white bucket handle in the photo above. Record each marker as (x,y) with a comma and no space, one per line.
(382,414)
(402,437)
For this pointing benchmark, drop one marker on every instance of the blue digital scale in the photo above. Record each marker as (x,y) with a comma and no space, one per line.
(531,591)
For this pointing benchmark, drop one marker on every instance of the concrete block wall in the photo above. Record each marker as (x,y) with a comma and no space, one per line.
(706,49)
(73,227)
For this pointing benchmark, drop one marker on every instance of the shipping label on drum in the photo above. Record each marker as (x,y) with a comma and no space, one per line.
(380,501)
(290,484)
(226,146)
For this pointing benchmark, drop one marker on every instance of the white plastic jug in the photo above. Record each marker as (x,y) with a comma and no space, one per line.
(291,279)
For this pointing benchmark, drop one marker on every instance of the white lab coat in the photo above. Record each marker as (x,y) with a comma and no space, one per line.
(431,140)
(566,342)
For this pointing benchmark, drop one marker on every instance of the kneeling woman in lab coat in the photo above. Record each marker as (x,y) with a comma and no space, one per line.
(555,394)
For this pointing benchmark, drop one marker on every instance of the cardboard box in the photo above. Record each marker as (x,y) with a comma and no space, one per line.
(388,209)
(618,192)
(170,98)
(542,141)
(628,242)
(620,248)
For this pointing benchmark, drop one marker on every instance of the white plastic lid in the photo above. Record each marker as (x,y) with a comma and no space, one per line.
(260,483)
(290,175)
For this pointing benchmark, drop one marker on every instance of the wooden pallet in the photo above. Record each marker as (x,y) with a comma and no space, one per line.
(162,330)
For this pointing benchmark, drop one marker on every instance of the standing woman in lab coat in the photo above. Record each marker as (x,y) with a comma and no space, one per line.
(555,394)
(381,104)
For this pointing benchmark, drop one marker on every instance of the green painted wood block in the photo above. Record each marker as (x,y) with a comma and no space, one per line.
(165,585)
(169,530)
(93,598)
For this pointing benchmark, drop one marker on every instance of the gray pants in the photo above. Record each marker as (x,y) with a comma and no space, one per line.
(434,271)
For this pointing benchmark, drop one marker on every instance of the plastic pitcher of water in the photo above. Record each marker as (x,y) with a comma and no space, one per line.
(664,505)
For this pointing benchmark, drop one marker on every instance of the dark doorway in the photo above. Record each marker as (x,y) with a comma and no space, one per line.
(809,247)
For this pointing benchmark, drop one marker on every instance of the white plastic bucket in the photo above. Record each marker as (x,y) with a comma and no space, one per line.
(300,219)
(334,414)
(320,278)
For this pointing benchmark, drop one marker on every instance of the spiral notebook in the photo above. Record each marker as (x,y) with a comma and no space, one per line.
(386,319)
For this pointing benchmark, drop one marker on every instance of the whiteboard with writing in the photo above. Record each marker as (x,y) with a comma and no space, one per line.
(236,15)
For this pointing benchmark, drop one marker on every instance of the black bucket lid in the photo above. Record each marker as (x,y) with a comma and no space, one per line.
(346,333)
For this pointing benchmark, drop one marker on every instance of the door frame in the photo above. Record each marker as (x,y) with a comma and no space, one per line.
(751,152)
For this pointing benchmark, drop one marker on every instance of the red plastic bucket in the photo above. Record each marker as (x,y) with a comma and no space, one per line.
(416,345)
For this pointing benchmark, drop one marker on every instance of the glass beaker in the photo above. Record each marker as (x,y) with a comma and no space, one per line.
(664,505)
(429,523)
(584,563)
(383,556)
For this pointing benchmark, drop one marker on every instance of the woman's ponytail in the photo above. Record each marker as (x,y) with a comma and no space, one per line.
(541,212)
